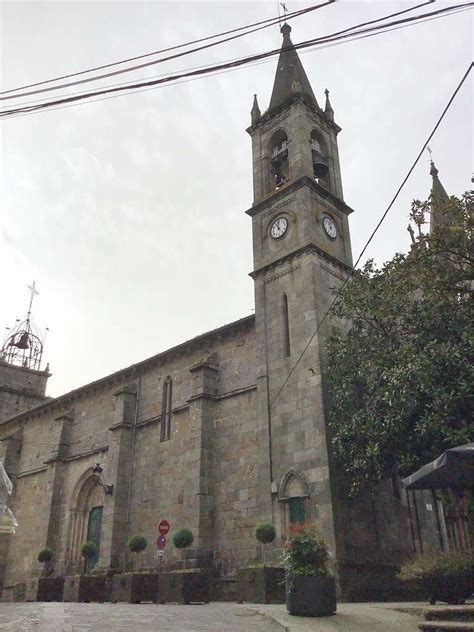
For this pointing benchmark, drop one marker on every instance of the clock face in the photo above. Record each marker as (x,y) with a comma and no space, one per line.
(279,227)
(330,227)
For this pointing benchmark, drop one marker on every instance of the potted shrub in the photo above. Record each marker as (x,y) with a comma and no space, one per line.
(261,583)
(136,586)
(46,587)
(186,585)
(85,587)
(445,576)
(310,589)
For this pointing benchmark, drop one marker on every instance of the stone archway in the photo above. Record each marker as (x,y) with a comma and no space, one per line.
(87,499)
(293,498)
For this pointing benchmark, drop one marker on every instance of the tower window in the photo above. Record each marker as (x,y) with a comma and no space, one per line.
(165,431)
(286,327)
(279,158)
(320,160)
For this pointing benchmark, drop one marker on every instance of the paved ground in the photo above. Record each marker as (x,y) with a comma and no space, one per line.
(79,617)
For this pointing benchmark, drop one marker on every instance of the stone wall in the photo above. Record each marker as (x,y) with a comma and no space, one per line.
(20,389)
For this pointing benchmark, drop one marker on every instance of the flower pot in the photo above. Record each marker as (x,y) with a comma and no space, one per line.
(135,587)
(310,596)
(452,589)
(261,585)
(85,588)
(44,589)
(184,586)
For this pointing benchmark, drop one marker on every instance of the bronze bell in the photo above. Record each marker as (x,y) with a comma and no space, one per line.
(24,342)
(320,164)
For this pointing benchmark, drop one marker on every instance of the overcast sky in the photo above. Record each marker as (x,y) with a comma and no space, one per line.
(129,212)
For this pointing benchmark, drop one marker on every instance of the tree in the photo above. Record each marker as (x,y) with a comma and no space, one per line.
(45,557)
(136,544)
(265,534)
(401,367)
(183,538)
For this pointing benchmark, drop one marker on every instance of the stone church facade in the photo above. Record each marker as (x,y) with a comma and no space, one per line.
(212,435)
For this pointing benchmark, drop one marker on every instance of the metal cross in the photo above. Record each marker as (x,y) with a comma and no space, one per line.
(430,152)
(285,10)
(34,292)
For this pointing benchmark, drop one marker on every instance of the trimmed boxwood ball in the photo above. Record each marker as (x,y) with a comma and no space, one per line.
(45,555)
(265,533)
(137,543)
(88,550)
(182,538)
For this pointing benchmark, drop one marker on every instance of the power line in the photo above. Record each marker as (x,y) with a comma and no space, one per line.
(213,74)
(384,215)
(34,101)
(273,21)
(239,62)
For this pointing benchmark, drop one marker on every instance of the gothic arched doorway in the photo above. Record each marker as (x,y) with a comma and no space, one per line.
(86,519)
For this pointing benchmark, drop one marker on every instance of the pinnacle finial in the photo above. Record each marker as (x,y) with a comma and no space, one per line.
(433,171)
(328,109)
(285,29)
(255,111)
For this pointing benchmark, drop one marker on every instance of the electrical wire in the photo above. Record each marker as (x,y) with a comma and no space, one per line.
(160,61)
(237,63)
(379,223)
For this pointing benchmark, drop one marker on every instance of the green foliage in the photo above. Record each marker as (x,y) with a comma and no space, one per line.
(182,538)
(265,533)
(45,555)
(401,372)
(305,552)
(437,564)
(137,543)
(88,550)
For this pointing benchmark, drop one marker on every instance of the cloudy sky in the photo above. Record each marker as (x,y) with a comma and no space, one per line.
(129,212)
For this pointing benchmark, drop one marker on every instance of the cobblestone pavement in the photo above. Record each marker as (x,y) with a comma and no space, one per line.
(85,617)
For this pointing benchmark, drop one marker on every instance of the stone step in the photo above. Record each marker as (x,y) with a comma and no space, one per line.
(449,613)
(446,626)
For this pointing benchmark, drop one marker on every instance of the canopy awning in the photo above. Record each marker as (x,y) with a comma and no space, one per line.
(454,469)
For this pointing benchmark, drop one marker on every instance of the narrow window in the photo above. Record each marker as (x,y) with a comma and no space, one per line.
(165,432)
(320,161)
(286,327)
(279,158)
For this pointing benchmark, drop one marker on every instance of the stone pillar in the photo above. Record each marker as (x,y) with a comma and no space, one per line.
(199,490)
(56,473)
(118,473)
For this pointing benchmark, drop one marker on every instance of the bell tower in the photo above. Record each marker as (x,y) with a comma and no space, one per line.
(301,249)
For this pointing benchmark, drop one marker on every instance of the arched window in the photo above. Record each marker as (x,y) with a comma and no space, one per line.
(293,497)
(320,160)
(279,158)
(286,326)
(165,431)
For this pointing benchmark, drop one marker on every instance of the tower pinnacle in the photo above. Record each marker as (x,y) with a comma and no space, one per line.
(439,197)
(290,77)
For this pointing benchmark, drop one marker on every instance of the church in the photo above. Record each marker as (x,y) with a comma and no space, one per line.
(227,430)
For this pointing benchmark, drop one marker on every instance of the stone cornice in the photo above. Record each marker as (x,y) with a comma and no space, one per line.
(23,393)
(310,247)
(291,187)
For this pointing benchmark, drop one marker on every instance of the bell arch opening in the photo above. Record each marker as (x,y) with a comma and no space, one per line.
(320,159)
(279,164)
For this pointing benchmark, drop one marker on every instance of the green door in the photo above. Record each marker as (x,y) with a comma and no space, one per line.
(93,535)
(297,511)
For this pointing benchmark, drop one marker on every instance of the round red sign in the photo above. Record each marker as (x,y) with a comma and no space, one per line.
(160,542)
(164,527)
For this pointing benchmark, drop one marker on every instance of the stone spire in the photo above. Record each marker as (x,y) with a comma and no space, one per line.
(290,77)
(328,109)
(439,197)
(255,111)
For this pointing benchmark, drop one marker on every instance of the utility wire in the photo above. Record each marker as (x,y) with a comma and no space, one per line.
(160,61)
(236,63)
(384,215)
(385,17)
(219,72)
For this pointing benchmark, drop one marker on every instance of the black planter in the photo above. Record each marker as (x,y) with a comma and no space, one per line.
(261,585)
(135,587)
(44,589)
(452,589)
(85,588)
(310,596)
(184,587)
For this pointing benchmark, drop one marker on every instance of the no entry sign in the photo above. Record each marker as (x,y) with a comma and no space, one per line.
(160,542)
(163,527)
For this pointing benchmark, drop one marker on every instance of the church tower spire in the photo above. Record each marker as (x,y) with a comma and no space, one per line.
(439,197)
(290,77)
